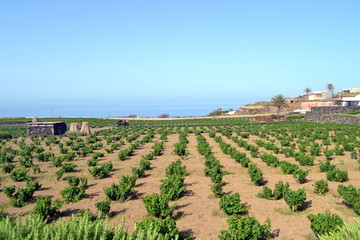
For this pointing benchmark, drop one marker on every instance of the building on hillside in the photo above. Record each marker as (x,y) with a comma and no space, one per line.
(320,95)
(350,101)
(351,90)
(230,113)
(293,103)
(308,105)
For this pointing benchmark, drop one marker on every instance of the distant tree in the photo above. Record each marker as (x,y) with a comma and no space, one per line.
(279,102)
(216,112)
(329,87)
(164,115)
(307,90)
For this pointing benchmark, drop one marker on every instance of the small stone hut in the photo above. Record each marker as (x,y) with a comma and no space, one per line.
(46,128)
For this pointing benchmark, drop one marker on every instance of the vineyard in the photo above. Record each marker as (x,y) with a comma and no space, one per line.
(183,179)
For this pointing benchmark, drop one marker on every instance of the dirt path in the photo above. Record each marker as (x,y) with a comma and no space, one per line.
(134,210)
(198,209)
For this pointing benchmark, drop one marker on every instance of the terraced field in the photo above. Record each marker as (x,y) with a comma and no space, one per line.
(203,176)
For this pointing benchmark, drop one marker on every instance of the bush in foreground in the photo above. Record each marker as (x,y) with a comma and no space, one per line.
(242,228)
(85,227)
(325,223)
(345,232)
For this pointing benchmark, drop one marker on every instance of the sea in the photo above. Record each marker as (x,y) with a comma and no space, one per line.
(103,108)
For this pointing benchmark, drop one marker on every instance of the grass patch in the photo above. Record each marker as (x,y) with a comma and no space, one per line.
(342,114)
(295,116)
(219,213)
(287,211)
(347,211)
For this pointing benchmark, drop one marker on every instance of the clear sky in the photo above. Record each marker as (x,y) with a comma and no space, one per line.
(184,50)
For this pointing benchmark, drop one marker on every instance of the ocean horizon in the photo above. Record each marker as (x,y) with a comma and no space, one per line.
(111,109)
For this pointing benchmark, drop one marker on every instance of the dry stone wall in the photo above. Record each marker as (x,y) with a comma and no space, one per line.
(47,129)
(320,111)
(334,119)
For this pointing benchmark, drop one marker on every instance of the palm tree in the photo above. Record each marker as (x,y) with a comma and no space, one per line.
(329,87)
(279,102)
(307,90)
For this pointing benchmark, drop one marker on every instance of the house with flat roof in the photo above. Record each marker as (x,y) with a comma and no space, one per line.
(351,101)
(351,90)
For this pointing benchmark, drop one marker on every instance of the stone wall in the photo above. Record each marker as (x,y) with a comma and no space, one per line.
(46,128)
(339,119)
(320,111)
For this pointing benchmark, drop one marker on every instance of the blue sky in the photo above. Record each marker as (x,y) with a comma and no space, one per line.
(173,51)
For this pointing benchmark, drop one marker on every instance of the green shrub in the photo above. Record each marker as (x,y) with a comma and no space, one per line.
(103,206)
(326,166)
(139,172)
(266,193)
(73,181)
(165,227)
(68,167)
(92,162)
(295,199)
(158,148)
(351,196)
(339,151)
(173,187)
(180,149)
(301,175)
(7,167)
(255,174)
(243,228)
(337,175)
(19,175)
(20,197)
(122,191)
(270,159)
(231,204)
(145,164)
(102,171)
(325,223)
(45,209)
(36,169)
(328,153)
(321,187)
(176,168)
(305,160)
(217,189)
(26,162)
(158,205)
(278,193)
(44,157)
(280,189)
(288,168)
(354,154)
(73,193)
(57,161)
(59,173)
(148,156)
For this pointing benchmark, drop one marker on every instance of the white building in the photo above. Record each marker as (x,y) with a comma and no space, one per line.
(351,101)
(320,95)
(351,90)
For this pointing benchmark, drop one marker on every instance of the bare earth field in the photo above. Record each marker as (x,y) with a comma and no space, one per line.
(197,212)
